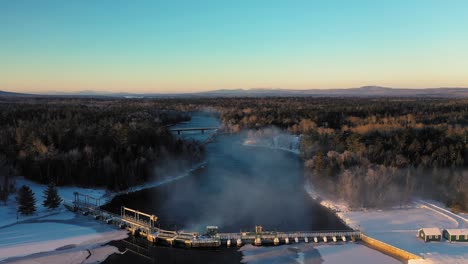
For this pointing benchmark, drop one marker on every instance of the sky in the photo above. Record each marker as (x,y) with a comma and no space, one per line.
(198,45)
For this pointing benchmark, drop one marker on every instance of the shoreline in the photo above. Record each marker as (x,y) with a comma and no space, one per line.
(154,183)
(93,243)
(89,243)
(397,226)
(351,218)
(297,152)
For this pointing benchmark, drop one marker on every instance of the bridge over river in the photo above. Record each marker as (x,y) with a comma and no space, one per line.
(202,129)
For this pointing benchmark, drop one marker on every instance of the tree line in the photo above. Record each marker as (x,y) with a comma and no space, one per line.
(369,151)
(90,142)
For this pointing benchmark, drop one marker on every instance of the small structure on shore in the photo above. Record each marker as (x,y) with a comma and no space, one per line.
(456,235)
(430,234)
(212,230)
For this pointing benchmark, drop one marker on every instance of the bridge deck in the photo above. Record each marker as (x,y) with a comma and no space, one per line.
(249,236)
(193,128)
(195,240)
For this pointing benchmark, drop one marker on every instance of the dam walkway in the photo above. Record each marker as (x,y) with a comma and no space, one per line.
(144,225)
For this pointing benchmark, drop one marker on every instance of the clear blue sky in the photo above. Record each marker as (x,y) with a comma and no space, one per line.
(178,46)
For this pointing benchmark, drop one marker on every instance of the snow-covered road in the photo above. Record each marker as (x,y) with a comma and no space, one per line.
(460,220)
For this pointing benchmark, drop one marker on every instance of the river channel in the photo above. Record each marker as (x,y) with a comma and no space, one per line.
(237,188)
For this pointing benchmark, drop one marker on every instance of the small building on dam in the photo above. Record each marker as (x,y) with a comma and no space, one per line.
(456,235)
(430,234)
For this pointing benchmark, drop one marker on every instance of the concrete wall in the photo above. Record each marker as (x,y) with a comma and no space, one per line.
(388,249)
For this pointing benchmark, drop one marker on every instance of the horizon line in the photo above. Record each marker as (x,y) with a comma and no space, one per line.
(226,89)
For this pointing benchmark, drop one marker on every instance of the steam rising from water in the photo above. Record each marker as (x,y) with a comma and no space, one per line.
(239,187)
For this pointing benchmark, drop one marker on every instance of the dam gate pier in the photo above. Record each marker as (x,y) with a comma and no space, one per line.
(144,225)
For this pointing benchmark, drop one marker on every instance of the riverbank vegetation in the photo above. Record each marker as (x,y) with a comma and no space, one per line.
(371,152)
(89,142)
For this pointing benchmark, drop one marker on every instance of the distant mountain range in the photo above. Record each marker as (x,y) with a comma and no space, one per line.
(365,91)
(12,94)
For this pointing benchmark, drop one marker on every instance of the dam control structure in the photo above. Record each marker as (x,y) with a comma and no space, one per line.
(144,225)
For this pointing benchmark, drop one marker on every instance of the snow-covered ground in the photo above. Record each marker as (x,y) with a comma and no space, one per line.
(152,184)
(8,212)
(64,237)
(78,238)
(53,236)
(398,227)
(273,138)
(315,253)
(59,236)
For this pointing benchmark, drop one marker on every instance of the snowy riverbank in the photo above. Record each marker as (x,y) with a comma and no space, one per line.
(151,184)
(394,226)
(60,236)
(53,236)
(398,227)
(9,214)
(311,252)
(274,139)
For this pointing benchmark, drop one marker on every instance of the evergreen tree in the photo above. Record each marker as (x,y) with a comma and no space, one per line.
(26,201)
(51,198)
(4,194)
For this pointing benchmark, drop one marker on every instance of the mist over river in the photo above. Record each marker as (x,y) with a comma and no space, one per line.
(238,187)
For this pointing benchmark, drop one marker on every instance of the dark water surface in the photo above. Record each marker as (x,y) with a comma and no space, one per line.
(238,188)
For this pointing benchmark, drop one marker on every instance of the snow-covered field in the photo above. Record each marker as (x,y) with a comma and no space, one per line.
(53,236)
(398,227)
(60,236)
(57,238)
(8,211)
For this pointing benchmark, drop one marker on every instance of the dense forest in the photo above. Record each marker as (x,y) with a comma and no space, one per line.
(88,142)
(370,151)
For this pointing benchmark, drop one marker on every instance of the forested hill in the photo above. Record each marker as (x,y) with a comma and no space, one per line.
(87,142)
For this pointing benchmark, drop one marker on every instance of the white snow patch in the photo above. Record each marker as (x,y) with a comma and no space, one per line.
(82,233)
(273,138)
(47,230)
(9,214)
(73,256)
(398,227)
(152,184)
(353,253)
(334,205)
(314,253)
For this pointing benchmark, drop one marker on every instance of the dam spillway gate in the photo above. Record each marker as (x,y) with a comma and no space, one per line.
(144,225)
